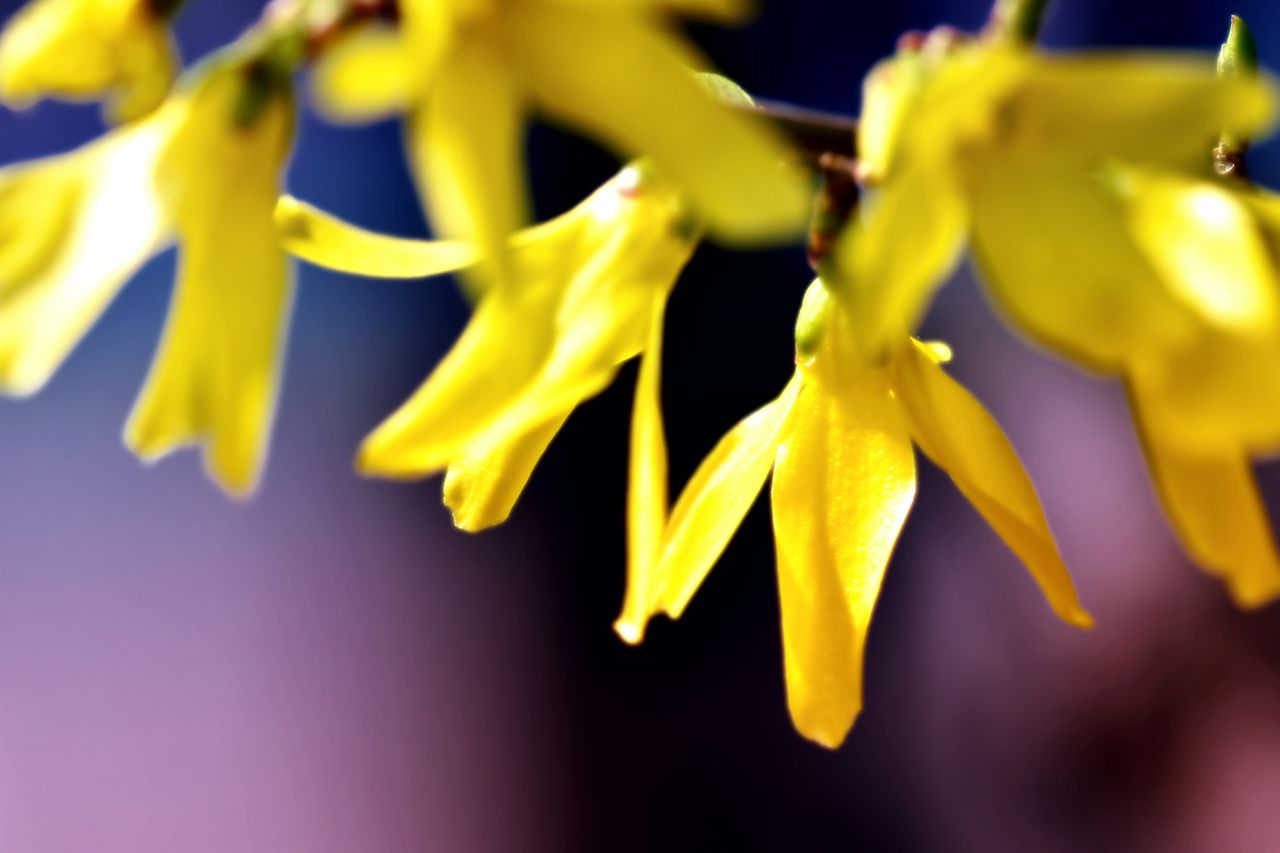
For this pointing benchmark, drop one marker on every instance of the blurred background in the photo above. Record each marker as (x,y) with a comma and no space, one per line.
(331,667)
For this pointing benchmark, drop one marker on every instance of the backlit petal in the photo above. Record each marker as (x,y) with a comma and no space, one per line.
(73,229)
(466,144)
(716,499)
(1203,241)
(1212,500)
(646,486)
(499,352)
(962,438)
(482,484)
(1160,109)
(902,247)
(316,237)
(629,84)
(842,486)
(215,377)
(1052,244)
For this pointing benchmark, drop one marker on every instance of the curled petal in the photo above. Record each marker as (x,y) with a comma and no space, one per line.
(316,237)
(962,438)
(481,485)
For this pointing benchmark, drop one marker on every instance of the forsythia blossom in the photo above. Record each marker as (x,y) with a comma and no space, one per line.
(88,49)
(468,71)
(957,136)
(1076,178)
(839,444)
(587,293)
(75,227)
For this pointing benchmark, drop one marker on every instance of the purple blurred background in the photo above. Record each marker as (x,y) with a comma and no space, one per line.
(332,668)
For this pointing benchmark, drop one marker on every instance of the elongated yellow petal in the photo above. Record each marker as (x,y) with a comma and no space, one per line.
(73,229)
(1212,500)
(216,374)
(316,237)
(482,485)
(842,486)
(902,247)
(962,438)
(1207,248)
(1150,108)
(583,67)
(713,504)
(370,74)
(500,351)
(1220,392)
(1055,253)
(646,486)
(466,143)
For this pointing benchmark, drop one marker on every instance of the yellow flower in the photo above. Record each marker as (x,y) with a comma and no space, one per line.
(89,49)
(839,444)
(1177,295)
(587,293)
(468,72)
(75,227)
(958,137)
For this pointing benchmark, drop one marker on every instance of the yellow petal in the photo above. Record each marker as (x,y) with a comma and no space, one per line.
(1206,246)
(84,49)
(646,487)
(482,485)
(1222,391)
(467,143)
(578,307)
(73,229)
(842,486)
(1149,108)
(500,351)
(1052,245)
(1212,501)
(962,438)
(316,237)
(714,502)
(215,377)
(902,247)
(368,75)
(581,65)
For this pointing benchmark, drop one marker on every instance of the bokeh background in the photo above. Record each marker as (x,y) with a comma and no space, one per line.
(331,667)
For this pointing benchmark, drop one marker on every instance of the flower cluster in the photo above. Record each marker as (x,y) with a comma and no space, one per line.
(1086,188)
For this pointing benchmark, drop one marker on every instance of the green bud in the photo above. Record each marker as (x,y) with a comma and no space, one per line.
(1016,21)
(811,322)
(724,90)
(1238,56)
